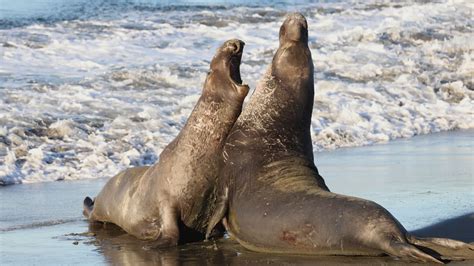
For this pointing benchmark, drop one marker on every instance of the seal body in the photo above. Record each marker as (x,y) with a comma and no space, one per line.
(272,197)
(150,202)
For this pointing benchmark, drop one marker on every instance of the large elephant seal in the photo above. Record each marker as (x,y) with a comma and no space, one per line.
(273,198)
(150,202)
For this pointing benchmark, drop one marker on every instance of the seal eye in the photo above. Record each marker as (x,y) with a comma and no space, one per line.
(282,30)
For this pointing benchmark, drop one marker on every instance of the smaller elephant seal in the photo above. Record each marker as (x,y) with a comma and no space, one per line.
(272,196)
(151,202)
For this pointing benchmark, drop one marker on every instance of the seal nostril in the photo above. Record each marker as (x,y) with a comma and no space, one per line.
(235,47)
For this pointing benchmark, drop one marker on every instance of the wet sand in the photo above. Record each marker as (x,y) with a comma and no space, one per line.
(426,182)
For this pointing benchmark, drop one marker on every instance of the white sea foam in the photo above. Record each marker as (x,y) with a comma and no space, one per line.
(86,98)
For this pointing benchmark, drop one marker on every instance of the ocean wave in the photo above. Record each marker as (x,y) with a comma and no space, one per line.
(84,97)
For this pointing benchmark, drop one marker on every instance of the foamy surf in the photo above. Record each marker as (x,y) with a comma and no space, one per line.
(84,96)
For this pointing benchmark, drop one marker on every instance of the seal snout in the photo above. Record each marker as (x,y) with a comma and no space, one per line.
(294,28)
(235,46)
(226,65)
(297,18)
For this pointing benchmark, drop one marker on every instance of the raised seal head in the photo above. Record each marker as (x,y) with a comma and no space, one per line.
(225,72)
(292,61)
(294,29)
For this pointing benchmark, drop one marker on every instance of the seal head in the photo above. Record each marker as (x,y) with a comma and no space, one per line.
(294,29)
(225,72)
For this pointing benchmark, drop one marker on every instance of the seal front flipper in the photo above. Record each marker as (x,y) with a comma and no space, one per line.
(162,232)
(88,206)
(220,212)
(169,235)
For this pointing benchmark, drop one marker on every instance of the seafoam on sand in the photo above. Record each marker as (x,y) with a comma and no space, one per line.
(86,96)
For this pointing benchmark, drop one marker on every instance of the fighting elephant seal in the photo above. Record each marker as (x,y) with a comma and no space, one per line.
(149,202)
(273,198)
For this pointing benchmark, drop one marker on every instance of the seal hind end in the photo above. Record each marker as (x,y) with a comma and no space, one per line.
(88,206)
(444,248)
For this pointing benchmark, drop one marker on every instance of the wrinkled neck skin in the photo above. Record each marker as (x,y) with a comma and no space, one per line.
(200,142)
(207,127)
(212,118)
(293,67)
(281,106)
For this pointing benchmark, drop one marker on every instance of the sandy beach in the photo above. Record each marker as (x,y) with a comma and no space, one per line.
(425,181)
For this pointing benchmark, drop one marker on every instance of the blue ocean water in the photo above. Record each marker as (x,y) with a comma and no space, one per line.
(24,12)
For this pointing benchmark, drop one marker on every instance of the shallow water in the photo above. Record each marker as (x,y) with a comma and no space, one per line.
(88,88)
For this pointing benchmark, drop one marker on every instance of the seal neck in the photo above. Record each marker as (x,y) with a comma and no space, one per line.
(283,99)
(211,120)
(203,138)
(293,69)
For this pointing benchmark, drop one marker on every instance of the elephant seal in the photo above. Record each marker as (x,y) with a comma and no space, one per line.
(151,202)
(271,195)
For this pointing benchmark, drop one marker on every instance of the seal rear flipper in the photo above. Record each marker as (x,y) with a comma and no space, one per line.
(409,252)
(444,248)
(220,212)
(88,206)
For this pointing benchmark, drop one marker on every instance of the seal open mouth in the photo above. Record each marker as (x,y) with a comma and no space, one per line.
(237,47)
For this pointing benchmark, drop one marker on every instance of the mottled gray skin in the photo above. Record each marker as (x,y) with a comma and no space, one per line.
(149,202)
(272,197)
